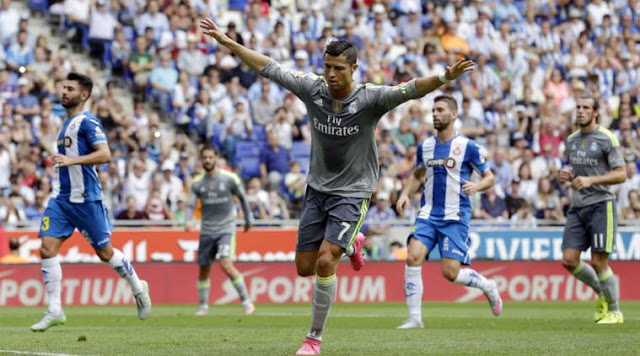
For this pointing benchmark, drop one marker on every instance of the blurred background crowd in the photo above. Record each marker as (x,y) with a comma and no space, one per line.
(163,89)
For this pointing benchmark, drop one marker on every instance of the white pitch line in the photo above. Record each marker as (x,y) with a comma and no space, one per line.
(33,353)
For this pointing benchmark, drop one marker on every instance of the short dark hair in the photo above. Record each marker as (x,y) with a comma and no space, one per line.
(208,147)
(85,82)
(338,48)
(596,104)
(451,102)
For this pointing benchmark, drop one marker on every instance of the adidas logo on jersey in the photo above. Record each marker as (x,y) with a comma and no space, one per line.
(318,102)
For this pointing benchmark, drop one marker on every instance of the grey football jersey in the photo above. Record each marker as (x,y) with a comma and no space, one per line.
(593,154)
(344,156)
(216,195)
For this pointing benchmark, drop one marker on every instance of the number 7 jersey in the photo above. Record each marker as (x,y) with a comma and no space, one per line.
(448,165)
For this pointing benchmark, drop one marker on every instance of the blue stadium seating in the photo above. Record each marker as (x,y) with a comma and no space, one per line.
(38,5)
(247,149)
(249,167)
(301,149)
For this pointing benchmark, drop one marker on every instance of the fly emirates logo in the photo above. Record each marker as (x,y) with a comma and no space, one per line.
(333,128)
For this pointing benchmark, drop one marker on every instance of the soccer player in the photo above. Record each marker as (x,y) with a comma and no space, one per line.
(447,160)
(593,154)
(344,161)
(216,190)
(76,202)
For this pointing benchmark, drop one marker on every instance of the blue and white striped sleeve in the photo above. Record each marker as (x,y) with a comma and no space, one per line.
(93,131)
(476,157)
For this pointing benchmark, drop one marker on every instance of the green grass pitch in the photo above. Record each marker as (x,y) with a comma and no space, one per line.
(365,329)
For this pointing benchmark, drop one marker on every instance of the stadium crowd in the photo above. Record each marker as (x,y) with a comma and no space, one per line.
(533,59)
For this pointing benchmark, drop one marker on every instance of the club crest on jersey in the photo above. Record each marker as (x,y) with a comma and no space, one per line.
(221,187)
(457,151)
(72,126)
(352,108)
(594,146)
(336,107)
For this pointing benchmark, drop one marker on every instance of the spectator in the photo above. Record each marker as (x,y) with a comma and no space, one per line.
(101,30)
(131,212)
(25,103)
(547,202)
(274,161)
(492,207)
(137,184)
(184,96)
(191,59)
(513,201)
(257,198)
(277,206)
(383,216)
(172,186)
(397,252)
(20,54)
(14,254)
(163,80)
(141,64)
(153,19)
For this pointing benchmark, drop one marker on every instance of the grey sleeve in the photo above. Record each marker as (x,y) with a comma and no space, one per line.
(614,156)
(191,205)
(296,82)
(388,97)
(238,191)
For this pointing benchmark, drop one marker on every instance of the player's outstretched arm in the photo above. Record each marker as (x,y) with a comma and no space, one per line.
(426,85)
(253,59)
(102,154)
(412,185)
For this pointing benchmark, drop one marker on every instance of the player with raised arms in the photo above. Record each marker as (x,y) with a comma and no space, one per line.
(76,202)
(444,163)
(344,164)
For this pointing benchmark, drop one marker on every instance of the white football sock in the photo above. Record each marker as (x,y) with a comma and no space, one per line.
(123,267)
(413,290)
(52,276)
(471,278)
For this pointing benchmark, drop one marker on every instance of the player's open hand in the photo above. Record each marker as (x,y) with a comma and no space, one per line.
(211,29)
(402,204)
(565,175)
(469,188)
(459,68)
(60,160)
(581,183)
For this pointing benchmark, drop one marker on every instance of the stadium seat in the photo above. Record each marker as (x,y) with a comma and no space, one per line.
(249,167)
(304,163)
(247,149)
(260,133)
(300,149)
(38,5)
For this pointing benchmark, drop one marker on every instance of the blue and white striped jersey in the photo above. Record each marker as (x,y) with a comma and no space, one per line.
(77,137)
(448,165)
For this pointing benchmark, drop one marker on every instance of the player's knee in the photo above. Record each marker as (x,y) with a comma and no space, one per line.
(47,251)
(325,262)
(569,264)
(305,270)
(414,260)
(450,273)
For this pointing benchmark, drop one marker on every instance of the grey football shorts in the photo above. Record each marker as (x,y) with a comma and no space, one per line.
(592,226)
(215,247)
(329,217)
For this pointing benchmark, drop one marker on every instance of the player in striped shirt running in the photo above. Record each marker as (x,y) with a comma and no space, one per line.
(76,202)
(447,161)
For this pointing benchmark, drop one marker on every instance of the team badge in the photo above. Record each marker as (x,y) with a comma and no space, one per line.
(352,108)
(594,146)
(336,106)
(456,151)
(221,187)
